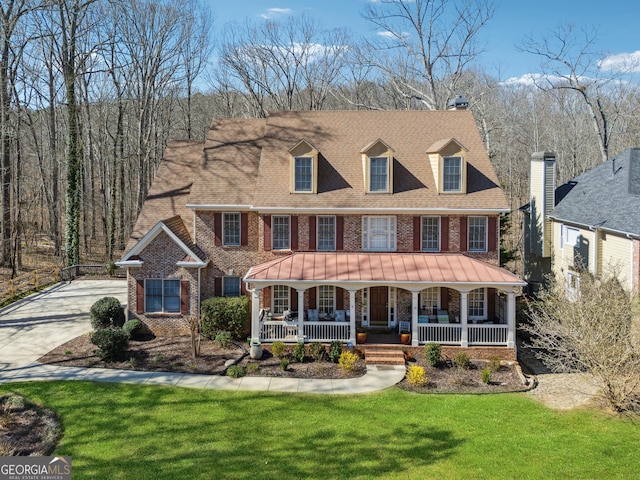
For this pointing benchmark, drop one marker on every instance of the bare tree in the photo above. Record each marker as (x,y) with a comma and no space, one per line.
(569,62)
(284,66)
(12,43)
(591,331)
(425,45)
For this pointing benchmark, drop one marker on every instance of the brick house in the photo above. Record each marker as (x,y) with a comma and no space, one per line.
(329,221)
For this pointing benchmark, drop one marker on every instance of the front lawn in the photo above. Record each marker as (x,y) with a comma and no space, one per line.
(126,431)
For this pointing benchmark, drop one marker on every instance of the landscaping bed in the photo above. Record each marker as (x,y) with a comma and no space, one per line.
(173,354)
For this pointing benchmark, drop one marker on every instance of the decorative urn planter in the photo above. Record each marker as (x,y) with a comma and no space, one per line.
(361,337)
(255,350)
(405,338)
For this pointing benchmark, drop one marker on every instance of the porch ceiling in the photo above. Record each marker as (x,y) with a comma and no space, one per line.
(383,267)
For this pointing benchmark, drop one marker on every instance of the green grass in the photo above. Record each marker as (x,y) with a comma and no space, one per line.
(116,431)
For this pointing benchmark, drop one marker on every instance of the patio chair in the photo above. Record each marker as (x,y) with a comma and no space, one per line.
(312,314)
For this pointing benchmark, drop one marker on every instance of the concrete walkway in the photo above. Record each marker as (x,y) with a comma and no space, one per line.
(37,324)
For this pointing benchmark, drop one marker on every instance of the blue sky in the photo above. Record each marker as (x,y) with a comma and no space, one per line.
(615,21)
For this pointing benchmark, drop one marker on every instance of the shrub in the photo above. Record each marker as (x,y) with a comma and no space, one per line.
(299,352)
(284,364)
(494,364)
(228,314)
(110,267)
(335,350)
(106,312)
(223,339)
(317,351)
(132,327)
(348,360)
(461,360)
(486,375)
(432,353)
(416,376)
(235,371)
(279,349)
(252,367)
(111,342)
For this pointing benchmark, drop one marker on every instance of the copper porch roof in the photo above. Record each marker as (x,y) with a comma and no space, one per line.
(440,268)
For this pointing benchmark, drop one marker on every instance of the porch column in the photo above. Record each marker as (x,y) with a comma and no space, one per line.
(255,314)
(352,316)
(511,319)
(414,318)
(301,314)
(464,314)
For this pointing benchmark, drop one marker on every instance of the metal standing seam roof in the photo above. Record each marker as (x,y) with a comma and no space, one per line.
(385,267)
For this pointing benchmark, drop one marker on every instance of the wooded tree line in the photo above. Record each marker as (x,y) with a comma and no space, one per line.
(91,90)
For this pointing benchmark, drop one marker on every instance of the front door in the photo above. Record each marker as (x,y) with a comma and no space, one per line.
(378,303)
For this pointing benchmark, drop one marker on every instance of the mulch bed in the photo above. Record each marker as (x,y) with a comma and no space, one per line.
(173,354)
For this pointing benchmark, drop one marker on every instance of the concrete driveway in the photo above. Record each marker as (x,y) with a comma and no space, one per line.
(37,324)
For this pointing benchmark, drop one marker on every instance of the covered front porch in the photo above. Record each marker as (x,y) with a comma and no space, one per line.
(450,299)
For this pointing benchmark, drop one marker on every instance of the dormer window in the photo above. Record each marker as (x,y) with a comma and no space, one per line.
(452,174)
(449,165)
(304,168)
(379,174)
(377,166)
(303,173)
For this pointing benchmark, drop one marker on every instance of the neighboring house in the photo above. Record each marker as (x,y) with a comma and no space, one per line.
(376,219)
(590,223)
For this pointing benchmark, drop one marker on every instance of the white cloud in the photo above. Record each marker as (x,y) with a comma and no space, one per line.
(530,79)
(621,62)
(391,35)
(274,12)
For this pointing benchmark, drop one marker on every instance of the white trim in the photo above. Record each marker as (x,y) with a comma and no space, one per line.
(589,227)
(347,211)
(130,263)
(151,235)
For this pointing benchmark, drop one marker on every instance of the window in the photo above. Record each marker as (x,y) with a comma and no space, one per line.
(231,286)
(162,295)
(231,229)
(430,300)
(430,234)
(379,234)
(379,174)
(477,234)
(303,174)
(327,233)
(281,228)
(570,236)
(452,174)
(280,300)
(573,285)
(326,299)
(477,304)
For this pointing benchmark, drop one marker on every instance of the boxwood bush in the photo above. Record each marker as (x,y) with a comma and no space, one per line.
(106,312)
(111,342)
(132,327)
(225,314)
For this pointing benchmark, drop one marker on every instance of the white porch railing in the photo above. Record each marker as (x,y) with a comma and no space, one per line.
(326,331)
(488,334)
(451,334)
(271,331)
(439,333)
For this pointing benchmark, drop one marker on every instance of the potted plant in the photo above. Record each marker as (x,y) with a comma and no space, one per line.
(361,335)
(405,337)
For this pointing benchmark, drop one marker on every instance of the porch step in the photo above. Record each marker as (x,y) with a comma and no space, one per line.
(383,356)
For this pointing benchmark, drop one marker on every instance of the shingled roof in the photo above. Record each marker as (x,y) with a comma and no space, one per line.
(170,189)
(607,196)
(246,162)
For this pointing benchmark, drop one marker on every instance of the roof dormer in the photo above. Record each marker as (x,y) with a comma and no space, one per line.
(303,168)
(449,165)
(377,167)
